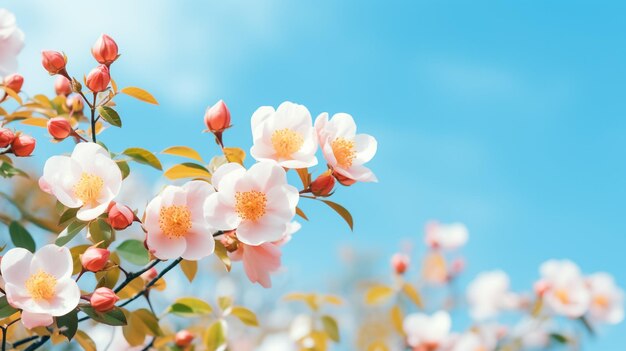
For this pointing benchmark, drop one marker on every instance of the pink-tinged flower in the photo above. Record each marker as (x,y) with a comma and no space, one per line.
(40,284)
(120,216)
(285,135)
(59,128)
(427,332)
(607,299)
(88,179)
(176,222)
(567,294)
(489,294)
(446,236)
(23,145)
(104,50)
(62,86)
(6,137)
(183,338)
(103,299)
(217,117)
(11,42)
(400,263)
(53,61)
(14,82)
(257,202)
(98,79)
(94,259)
(149,274)
(344,150)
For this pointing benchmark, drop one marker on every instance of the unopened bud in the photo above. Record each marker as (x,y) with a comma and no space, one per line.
(23,145)
(104,50)
(103,299)
(183,338)
(94,259)
(53,61)
(6,137)
(323,185)
(150,274)
(60,128)
(62,86)
(98,79)
(75,103)
(120,216)
(400,263)
(14,82)
(217,117)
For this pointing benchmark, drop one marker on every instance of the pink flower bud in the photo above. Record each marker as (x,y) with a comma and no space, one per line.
(98,79)
(62,86)
(103,299)
(183,338)
(400,263)
(323,185)
(150,274)
(14,82)
(6,137)
(541,287)
(23,145)
(94,259)
(60,128)
(104,50)
(53,61)
(120,216)
(75,103)
(343,180)
(217,117)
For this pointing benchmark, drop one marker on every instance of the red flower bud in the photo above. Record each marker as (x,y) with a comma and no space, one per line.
(149,274)
(98,79)
(62,86)
(183,338)
(104,50)
(23,145)
(14,82)
(120,216)
(53,61)
(75,103)
(400,263)
(94,259)
(103,299)
(217,117)
(6,137)
(343,180)
(323,185)
(60,128)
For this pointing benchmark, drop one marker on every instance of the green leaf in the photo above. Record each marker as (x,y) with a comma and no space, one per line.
(8,171)
(68,215)
(246,316)
(100,230)
(139,94)
(559,338)
(134,252)
(68,324)
(6,310)
(146,320)
(215,336)
(331,328)
(114,317)
(345,214)
(189,307)
(123,166)
(70,232)
(143,156)
(110,115)
(21,237)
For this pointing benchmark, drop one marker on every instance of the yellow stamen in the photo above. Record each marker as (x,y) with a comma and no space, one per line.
(88,188)
(601,301)
(286,142)
(344,151)
(175,220)
(41,286)
(250,205)
(563,296)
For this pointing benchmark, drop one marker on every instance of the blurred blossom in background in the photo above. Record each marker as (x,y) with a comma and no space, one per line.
(507,118)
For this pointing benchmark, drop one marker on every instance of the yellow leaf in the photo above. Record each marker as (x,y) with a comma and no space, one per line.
(234,154)
(36,121)
(397,318)
(160,285)
(130,290)
(377,346)
(222,254)
(12,94)
(342,211)
(183,151)
(305,177)
(377,294)
(187,170)
(190,268)
(43,100)
(331,328)
(139,94)
(301,213)
(215,336)
(246,316)
(76,252)
(410,291)
(333,300)
(114,86)
(85,341)
(3,112)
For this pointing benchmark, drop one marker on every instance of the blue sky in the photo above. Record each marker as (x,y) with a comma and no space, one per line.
(506,116)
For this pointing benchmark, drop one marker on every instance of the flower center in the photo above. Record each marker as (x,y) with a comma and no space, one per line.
(344,152)
(250,205)
(88,188)
(41,286)
(562,295)
(175,220)
(601,301)
(286,142)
